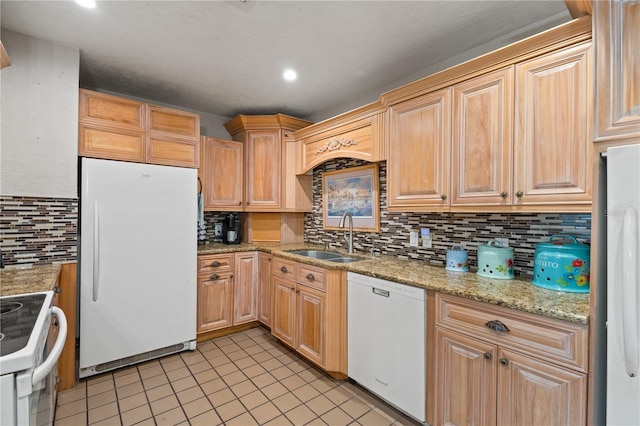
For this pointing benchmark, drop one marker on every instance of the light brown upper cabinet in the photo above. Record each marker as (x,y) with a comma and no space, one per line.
(419,153)
(116,128)
(481,159)
(617,31)
(267,161)
(222,174)
(553,128)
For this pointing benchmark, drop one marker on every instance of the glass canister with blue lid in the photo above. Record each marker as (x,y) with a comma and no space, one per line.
(562,264)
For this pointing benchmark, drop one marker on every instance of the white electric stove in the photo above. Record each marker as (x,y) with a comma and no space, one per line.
(27,365)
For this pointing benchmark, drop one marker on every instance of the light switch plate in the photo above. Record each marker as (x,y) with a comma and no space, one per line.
(413,238)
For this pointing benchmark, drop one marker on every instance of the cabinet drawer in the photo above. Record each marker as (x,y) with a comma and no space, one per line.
(215,263)
(551,339)
(100,108)
(169,121)
(112,144)
(311,277)
(173,153)
(284,268)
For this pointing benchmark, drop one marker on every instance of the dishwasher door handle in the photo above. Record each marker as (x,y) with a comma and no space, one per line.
(379,292)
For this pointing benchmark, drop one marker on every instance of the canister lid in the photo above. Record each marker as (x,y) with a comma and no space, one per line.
(563,242)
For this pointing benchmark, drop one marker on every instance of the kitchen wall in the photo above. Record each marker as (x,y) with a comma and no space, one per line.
(448,229)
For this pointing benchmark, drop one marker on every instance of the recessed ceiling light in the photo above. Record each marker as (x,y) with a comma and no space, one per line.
(290,75)
(90,4)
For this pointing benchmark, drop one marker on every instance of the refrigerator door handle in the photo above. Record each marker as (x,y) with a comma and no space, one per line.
(96,252)
(629,289)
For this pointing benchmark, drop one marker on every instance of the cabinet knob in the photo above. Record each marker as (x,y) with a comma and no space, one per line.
(298,291)
(214,277)
(444,197)
(310,277)
(496,325)
(292,288)
(240,203)
(231,276)
(487,356)
(215,264)
(284,269)
(57,289)
(503,194)
(504,362)
(519,194)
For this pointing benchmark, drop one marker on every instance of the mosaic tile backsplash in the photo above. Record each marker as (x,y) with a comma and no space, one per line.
(38,230)
(448,229)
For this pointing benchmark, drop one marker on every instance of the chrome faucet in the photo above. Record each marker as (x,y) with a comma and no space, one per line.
(348,240)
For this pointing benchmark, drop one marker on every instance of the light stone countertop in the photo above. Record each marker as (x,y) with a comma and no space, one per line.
(29,280)
(516,294)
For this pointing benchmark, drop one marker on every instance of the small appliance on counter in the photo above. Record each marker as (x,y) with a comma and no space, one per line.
(495,261)
(457,259)
(562,264)
(231,229)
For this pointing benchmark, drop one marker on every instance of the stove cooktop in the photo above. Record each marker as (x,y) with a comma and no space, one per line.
(18,316)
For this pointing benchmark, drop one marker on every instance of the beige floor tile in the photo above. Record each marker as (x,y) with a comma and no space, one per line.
(271,364)
(147,422)
(406,421)
(123,380)
(219,360)
(245,343)
(75,420)
(355,407)
(298,366)
(336,417)
(100,387)
(310,374)
(242,420)
(77,393)
(125,371)
(286,402)
(151,371)
(306,393)
(230,410)
(316,422)
(103,412)
(199,367)
(182,384)
(178,373)
(212,354)
(213,386)
(221,397)
(245,362)
(230,348)
(100,399)
(206,346)
(208,418)
(277,350)
(262,357)
(300,415)
(237,355)
(389,413)
(320,405)
(133,401)
(293,382)
(239,337)
(154,363)
(206,376)
(274,390)
(155,381)
(225,369)
(191,358)
(243,388)
(130,389)
(263,380)
(374,418)
(253,399)
(279,421)
(253,371)
(287,358)
(233,378)
(254,350)
(173,365)
(159,392)
(223,341)
(171,417)
(136,415)
(265,412)
(164,404)
(281,373)
(339,395)
(196,407)
(104,377)
(190,394)
(324,384)
(71,409)
(111,421)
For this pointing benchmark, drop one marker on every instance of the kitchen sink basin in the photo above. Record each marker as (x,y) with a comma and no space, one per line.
(325,255)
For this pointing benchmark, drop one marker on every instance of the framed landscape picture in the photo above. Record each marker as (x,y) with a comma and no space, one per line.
(353,190)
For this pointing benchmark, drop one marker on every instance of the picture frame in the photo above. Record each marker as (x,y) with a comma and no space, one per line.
(355,190)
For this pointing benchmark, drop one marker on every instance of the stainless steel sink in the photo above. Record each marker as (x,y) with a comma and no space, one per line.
(325,255)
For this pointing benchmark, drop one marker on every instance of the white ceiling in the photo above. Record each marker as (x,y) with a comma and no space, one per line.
(227,57)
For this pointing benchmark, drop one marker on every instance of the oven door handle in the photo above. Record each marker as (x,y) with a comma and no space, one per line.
(43,370)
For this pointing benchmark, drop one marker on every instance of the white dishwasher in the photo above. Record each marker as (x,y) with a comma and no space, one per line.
(387,341)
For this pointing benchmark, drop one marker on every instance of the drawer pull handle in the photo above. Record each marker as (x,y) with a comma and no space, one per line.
(503,194)
(496,325)
(214,277)
(487,356)
(310,277)
(379,292)
(504,362)
(444,197)
(519,194)
(215,264)
(284,269)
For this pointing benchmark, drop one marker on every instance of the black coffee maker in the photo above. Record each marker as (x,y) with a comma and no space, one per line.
(231,230)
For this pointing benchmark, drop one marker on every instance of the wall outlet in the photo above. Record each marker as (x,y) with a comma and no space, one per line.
(413,239)
(503,241)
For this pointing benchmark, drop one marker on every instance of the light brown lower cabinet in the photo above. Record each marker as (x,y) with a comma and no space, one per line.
(309,313)
(532,374)
(265,298)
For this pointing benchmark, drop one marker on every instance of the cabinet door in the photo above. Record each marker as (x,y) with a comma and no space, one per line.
(311,324)
(283,321)
(245,301)
(466,380)
(532,392)
(173,123)
(215,301)
(482,140)
(222,174)
(419,145)
(552,151)
(264,289)
(168,152)
(263,162)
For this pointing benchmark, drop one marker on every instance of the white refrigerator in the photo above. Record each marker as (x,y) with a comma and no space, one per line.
(623,287)
(138,225)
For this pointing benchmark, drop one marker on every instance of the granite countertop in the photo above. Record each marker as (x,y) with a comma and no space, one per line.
(29,280)
(517,294)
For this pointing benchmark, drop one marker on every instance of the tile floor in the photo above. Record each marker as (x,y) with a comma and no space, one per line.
(248,378)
